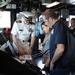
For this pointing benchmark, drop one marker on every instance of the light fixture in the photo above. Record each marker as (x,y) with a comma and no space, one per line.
(52,4)
(45,3)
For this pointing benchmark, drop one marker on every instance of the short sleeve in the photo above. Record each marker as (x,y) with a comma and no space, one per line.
(14,29)
(60,37)
(34,32)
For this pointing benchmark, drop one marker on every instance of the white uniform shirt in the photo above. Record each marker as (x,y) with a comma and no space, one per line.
(22,33)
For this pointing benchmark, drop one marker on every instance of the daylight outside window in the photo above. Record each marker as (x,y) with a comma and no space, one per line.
(5,21)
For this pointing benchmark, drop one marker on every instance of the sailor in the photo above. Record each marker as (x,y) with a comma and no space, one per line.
(21,31)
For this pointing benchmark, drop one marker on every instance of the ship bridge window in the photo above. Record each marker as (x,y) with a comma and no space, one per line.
(5,20)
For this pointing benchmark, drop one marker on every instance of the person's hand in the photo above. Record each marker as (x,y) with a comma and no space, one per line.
(47,64)
(45,57)
(20,51)
(51,66)
(29,51)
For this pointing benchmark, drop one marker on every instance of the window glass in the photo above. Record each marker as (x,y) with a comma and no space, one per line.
(5,20)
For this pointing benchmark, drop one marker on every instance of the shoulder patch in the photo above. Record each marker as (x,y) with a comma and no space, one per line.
(18,21)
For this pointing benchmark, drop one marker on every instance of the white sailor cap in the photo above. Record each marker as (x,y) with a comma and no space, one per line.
(26,14)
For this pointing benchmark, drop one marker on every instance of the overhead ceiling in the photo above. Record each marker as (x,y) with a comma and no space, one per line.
(62,1)
(68,1)
(69,4)
(23,4)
